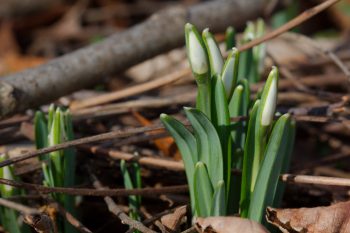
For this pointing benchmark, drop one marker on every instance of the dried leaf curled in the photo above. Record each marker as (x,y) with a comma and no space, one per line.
(42,223)
(330,219)
(173,220)
(228,225)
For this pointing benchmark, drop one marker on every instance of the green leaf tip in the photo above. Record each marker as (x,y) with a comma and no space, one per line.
(230,72)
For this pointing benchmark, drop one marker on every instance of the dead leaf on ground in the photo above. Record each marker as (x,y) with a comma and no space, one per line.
(228,225)
(10,58)
(166,144)
(172,221)
(330,219)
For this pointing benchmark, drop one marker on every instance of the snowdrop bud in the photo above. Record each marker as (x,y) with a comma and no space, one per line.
(230,71)
(196,51)
(269,106)
(249,32)
(215,58)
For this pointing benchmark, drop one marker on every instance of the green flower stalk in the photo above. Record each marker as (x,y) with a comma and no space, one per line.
(199,63)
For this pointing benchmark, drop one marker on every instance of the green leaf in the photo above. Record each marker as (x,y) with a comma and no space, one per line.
(235,109)
(239,106)
(230,72)
(218,206)
(285,166)
(208,144)
(55,162)
(69,154)
(215,58)
(248,158)
(10,218)
(41,130)
(187,145)
(51,115)
(230,38)
(128,183)
(221,121)
(259,51)
(266,184)
(266,112)
(203,190)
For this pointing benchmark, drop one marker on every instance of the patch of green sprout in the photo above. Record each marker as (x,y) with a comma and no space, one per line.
(132,180)
(9,218)
(259,146)
(59,166)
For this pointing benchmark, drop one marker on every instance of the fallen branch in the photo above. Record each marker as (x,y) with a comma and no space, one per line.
(85,67)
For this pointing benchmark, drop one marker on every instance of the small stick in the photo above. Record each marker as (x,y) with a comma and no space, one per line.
(113,96)
(336,60)
(114,208)
(81,141)
(94,192)
(41,222)
(291,24)
(18,207)
(70,218)
(316,180)
(148,161)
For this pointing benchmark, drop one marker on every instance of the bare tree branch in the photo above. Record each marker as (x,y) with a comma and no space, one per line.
(85,67)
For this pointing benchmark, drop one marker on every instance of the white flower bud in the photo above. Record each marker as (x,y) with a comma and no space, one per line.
(215,57)
(196,52)
(269,107)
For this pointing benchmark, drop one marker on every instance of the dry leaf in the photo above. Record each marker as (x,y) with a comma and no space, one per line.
(10,58)
(42,223)
(173,220)
(166,144)
(331,219)
(228,225)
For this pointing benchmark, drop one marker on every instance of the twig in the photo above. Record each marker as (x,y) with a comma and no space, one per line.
(41,222)
(113,208)
(190,230)
(291,24)
(70,218)
(315,180)
(148,161)
(18,207)
(152,219)
(123,107)
(113,96)
(81,141)
(336,60)
(94,192)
